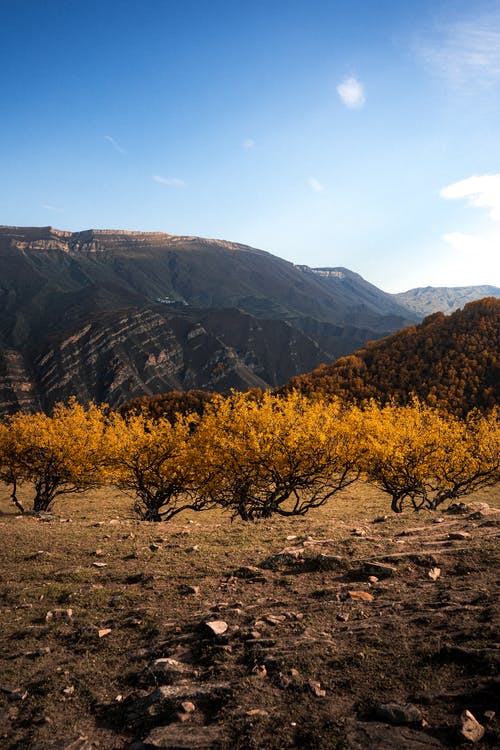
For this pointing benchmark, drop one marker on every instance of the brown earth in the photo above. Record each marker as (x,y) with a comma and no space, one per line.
(305,652)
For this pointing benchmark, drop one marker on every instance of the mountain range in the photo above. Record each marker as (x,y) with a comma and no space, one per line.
(112,315)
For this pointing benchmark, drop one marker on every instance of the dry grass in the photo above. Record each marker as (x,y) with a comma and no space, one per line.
(64,670)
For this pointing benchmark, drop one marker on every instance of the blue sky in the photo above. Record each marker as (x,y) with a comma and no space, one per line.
(361,134)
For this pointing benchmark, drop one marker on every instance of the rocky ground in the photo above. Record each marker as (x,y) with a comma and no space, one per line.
(347,629)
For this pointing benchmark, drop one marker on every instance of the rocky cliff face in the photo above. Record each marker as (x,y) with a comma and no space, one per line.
(108,315)
(147,351)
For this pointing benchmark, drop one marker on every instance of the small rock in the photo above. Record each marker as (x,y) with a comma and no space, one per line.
(434,573)
(358,532)
(379,569)
(195,548)
(216,627)
(469,727)
(274,619)
(457,508)
(342,617)
(59,614)
(459,535)
(103,632)
(188,707)
(282,559)
(257,712)
(325,562)
(260,671)
(70,690)
(154,547)
(438,520)
(250,573)
(100,565)
(194,590)
(363,596)
(316,688)
(380,519)
(169,670)
(373,579)
(396,713)
(489,715)
(99,553)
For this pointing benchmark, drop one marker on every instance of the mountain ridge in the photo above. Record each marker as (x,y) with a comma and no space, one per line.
(251,304)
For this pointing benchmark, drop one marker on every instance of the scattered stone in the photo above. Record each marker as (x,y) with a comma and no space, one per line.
(434,573)
(188,707)
(380,519)
(379,570)
(257,712)
(182,737)
(282,559)
(397,713)
(489,715)
(166,698)
(195,548)
(373,579)
(325,562)
(438,520)
(169,670)
(291,537)
(154,547)
(103,632)
(260,671)
(274,619)
(459,535)
(185,589)
(100,565)
(216,627)
(362,596)
(250,573)
(70,690)
(140,578)
(358,532)
(480,507)
(59,614)
(316,688)
(469,728)
(99,553)
(343,617)
(457,509)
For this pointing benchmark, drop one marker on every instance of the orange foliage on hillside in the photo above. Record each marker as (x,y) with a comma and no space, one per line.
(448,361)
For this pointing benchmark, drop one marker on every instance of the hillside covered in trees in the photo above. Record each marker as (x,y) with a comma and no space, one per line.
(448,361)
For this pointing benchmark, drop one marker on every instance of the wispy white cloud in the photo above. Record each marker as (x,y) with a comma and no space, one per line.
(479,251)
(50,207)
(172,181)
(352,93)
(482,191)
(476,254)
(315,185)
(115,144)
(466,53)
(248,143)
